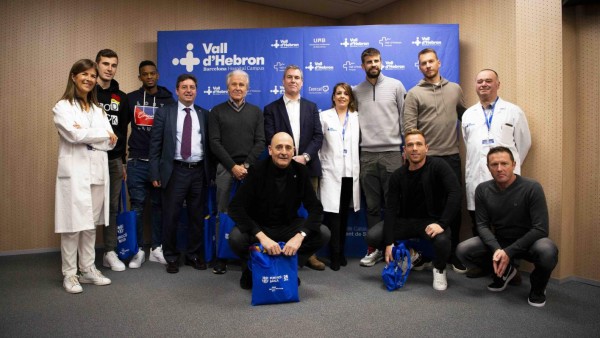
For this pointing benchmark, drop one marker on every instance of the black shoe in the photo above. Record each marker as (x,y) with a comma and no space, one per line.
(537,298)
(172,267)
(246,279)
(500,283)
(220,267)
(516,281)
(421,263)
(335,262)
(476,272)
(343,260)
(196,263)
(299,282)
(457,265)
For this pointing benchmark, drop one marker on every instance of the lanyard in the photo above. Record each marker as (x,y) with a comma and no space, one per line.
(344,127)
(488,120)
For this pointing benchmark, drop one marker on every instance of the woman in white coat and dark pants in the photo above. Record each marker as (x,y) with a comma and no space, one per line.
(82,180)
(339,185)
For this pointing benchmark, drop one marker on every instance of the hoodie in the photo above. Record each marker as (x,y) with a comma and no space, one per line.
(139,140)
(114,103)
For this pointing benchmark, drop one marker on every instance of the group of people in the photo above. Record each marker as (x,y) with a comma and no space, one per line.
(399,150)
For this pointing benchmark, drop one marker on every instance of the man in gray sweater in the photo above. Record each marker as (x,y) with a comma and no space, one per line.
(380,102)
(434,106)
(512,222)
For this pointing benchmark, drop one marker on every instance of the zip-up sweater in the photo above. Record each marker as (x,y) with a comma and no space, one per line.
(114,103)
(435,110)
(139,140)
(380,114)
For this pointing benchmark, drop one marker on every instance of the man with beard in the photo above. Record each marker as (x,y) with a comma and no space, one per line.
(380,102)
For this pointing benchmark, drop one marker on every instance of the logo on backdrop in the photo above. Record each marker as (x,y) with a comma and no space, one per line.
(279,66)
(388,42)
(276,90)
(354,43)
(189,61)
(284,44)
(389,65)
(318,90)
(426,41)
(215,90)
(350,66)
(319,43)
(318,67)
(217,60)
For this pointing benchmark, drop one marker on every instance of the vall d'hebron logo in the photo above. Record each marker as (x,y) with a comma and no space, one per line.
(426,41)
(284,44)
(215,90)
(318,67)
(279,66)
(319,43)
(217,59)
(387,42)
(389,65)
(276,90)
(354,43)
(350,66)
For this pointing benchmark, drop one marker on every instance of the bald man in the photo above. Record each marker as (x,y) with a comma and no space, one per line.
(265,209)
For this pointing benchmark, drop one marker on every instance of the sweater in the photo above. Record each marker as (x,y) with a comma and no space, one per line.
(380,114)
(114,102)
(139,140)
(435,110)
(518,214)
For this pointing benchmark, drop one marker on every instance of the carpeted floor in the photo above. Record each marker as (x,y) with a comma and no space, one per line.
(349,303)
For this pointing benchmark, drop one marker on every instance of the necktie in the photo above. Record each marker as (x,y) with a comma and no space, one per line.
(186,137)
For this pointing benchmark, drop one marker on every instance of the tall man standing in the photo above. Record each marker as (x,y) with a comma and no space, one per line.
(299,118)
(143,103)
(114,102)
(237,138)
(380,102)
(179,164)
(435,106)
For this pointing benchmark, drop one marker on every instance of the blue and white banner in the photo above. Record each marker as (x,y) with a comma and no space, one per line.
(327,55)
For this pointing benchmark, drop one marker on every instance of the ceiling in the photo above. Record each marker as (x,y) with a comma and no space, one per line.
(333,9)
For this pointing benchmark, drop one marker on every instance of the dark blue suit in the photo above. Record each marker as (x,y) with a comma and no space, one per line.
(311,134)
(179,183)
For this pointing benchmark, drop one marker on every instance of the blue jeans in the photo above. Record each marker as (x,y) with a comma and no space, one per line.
(139,186)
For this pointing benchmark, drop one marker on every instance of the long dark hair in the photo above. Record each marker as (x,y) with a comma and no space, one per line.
(348,89)
(70,94)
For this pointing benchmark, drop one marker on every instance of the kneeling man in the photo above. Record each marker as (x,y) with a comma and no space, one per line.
(265,209)
(512,222)
(423,199)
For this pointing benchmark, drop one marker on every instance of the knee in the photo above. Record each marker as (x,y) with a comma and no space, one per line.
(239,241)
(325,235)
(547,253)
(375,235)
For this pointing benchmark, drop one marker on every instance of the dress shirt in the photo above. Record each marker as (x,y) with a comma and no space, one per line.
(197,154)
(293,110)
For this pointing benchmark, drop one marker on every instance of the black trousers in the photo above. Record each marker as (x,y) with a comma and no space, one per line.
(185,184)
(454,163)
(338,222)
(413,228)
(240,242)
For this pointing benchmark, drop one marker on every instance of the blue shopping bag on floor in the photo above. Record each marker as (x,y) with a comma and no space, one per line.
(127,245)
(396,272)
(274,278)
(226,224)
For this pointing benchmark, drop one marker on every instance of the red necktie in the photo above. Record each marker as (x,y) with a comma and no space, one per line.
(186,137)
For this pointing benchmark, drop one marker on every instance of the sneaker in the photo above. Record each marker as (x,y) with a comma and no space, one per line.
(458,266)
(421,263)
(157,256)
(440,282)
(113,262)
(71,284)
(517,280)
(138,259)
(372,258)
(220,267)
(500,283)
(93,276)
(537,298)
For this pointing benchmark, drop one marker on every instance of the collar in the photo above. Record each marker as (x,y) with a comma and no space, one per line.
(287,100)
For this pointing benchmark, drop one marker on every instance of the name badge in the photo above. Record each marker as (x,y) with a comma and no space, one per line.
(488,141)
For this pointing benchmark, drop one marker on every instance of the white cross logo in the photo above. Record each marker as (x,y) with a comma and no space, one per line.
(189,61)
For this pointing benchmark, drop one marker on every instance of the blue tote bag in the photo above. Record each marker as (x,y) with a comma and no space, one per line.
(226,224)
(274,278)
(127,245)
(396,272)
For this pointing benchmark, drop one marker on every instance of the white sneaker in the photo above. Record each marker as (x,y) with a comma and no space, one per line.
(71,284)
(93,276)
(372,258)
(156,255)
(138,259)
(440,282)
(113,262)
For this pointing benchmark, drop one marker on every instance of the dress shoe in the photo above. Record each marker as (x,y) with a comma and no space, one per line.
(220,267)
(196,263)
(246,279)
(343,260)
(314,263)
(172,267)
(335,262)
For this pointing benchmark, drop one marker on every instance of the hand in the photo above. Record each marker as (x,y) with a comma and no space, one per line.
(270,246)
(300,159)
(125,173)
(433,230)
(76,125)
(501,261)
(239,172)
(388,254)
(113,138)
(292,246)
(156,184)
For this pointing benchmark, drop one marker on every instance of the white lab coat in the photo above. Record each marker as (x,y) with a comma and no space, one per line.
(509,128)
(332,160)
(79,167)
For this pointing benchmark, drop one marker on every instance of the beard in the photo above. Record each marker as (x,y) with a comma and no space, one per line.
(373,76)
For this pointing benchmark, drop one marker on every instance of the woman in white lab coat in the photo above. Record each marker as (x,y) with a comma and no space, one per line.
(339,185)
(82,181)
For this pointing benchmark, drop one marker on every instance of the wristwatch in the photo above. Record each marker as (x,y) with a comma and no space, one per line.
(302,233)
(246,165)
(306,157)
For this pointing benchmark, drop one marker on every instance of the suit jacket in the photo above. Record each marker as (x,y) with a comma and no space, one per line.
(311,135)
(252,204)
(163,140)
